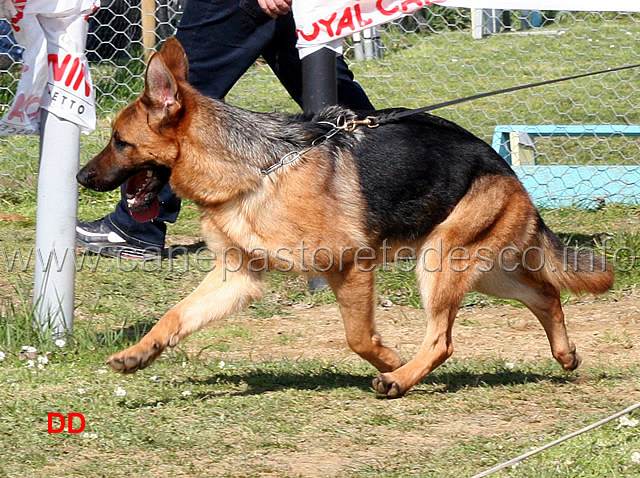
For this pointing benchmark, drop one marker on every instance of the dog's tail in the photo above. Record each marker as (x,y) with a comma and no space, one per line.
(567,268)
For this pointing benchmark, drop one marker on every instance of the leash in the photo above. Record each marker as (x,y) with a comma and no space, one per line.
(518,459)
(398,115)
(342,124)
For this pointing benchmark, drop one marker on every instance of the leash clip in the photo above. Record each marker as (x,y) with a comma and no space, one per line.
(351,125)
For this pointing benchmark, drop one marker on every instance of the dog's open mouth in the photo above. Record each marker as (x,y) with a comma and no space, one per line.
(142,194)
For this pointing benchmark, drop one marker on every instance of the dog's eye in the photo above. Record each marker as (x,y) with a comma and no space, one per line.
(119,143)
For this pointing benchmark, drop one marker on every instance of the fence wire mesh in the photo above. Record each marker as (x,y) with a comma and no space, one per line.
(434,55)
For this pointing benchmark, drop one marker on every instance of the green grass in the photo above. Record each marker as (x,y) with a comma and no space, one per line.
(185,416)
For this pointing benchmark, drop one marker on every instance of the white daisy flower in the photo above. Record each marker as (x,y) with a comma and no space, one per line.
(2,356)
(120,392)
(60,343)
(186,393)
(625,421)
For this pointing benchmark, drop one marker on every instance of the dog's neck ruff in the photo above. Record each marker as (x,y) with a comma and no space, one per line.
(341,124)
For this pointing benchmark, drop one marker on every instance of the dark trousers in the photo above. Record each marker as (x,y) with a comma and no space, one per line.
(222,41)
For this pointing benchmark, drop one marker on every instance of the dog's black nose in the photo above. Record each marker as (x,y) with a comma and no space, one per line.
(86,176)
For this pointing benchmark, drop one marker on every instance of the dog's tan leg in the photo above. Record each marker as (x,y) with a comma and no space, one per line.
(544,301)
(442,292)
(222,292)
(356,297)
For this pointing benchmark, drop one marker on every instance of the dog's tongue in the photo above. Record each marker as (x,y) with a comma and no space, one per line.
(149,213)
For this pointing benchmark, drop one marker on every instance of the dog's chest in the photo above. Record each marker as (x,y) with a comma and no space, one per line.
(237,220)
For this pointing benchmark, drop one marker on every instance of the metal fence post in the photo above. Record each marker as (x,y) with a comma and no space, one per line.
(57,205)
(148,27)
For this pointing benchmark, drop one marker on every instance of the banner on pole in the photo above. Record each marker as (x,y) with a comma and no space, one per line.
(55,75)
(319,22)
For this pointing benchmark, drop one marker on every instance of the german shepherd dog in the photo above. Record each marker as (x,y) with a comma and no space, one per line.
(422,184)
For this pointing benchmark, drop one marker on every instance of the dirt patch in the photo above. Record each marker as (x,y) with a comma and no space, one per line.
(4,217)
(604,332)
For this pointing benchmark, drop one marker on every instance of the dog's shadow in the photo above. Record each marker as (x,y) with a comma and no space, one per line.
(260,382)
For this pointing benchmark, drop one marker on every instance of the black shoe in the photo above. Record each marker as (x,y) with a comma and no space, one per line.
(98,237)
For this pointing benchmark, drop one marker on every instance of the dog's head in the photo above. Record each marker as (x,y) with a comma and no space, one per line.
(143,146)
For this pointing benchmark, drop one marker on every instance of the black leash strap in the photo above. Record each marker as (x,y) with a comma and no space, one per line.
(398,115)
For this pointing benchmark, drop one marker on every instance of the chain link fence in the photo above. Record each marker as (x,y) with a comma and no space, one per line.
(434,55)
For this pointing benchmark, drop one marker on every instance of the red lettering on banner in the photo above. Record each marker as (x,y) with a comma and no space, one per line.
(312,36)
(345,22)
(327,24)
(60,72)
(19,6)
(72,73)
(21,108)
(382,10)
(361,22)
(80,78)
(418,3)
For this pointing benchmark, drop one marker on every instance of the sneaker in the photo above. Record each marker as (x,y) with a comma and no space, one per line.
(98,237)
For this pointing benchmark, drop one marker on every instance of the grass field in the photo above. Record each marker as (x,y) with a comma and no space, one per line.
(274,391)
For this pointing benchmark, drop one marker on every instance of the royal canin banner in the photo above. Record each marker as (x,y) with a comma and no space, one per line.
(55,75)
(320,22)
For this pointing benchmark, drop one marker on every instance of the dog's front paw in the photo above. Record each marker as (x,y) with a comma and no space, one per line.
(135,358)
(386,384)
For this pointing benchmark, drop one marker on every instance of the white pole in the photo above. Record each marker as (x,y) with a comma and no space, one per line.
(56,224)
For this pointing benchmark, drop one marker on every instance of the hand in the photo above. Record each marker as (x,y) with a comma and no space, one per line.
(273,8)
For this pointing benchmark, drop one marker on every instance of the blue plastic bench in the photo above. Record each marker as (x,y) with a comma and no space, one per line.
(564,185)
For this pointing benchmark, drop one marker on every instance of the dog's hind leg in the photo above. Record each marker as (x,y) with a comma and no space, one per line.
(227,288)
(442,291)
(543,300)
(452,258)
(355,293)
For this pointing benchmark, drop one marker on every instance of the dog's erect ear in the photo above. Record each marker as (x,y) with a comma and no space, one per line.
(175,58)
(161,90)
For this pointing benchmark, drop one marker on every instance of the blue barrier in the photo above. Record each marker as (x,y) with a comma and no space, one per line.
(571,185)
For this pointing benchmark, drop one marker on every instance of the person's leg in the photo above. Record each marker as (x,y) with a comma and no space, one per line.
(283,58)
(145,234)
(221,42)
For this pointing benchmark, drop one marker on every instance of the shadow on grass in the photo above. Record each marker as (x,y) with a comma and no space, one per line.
(262,381)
